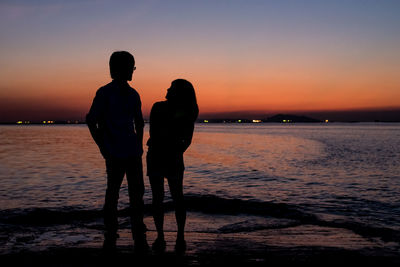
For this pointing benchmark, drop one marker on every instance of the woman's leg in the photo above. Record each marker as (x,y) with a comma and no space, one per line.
(176,188)
(157,189)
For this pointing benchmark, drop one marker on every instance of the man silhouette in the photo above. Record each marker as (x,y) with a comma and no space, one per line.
(116,124)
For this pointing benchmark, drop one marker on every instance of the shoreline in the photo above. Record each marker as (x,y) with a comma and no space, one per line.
(285,245)
(225,252)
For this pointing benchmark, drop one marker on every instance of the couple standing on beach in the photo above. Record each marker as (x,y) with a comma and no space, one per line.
(116,124)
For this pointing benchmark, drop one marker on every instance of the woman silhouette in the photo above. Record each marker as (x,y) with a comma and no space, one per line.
(171,131)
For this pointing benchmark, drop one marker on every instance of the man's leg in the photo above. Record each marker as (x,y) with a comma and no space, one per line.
(134,175)
(115,175)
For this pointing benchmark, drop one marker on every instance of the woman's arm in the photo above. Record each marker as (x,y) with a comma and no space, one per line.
(187,135)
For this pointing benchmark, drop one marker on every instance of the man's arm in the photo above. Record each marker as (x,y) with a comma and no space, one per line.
(139,123)
(93,120)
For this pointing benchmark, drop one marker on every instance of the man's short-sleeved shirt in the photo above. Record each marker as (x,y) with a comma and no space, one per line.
(116,109)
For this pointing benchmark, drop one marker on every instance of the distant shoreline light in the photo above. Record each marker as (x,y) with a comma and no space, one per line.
(47,122)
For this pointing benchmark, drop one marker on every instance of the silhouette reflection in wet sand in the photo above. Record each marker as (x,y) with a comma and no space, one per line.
(171,131)
(116,124)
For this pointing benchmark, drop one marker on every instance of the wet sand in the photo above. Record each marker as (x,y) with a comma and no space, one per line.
(293,245)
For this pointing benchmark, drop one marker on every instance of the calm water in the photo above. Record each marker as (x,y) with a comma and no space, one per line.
(346,175)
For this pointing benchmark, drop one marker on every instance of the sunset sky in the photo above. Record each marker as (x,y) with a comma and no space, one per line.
(262,56)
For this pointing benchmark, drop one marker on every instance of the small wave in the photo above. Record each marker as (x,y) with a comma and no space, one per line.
(198,203)
(214,204)
(47,216)
(368,231)
(250,226)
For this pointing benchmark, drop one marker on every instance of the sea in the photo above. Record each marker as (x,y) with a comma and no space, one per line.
(341,175)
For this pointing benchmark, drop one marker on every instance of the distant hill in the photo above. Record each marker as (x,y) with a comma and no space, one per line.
(390,114)
(290,118)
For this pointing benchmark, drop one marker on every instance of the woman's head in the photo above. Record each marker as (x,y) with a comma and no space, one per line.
(181,94)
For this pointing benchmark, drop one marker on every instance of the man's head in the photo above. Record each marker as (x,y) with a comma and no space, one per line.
(122,65)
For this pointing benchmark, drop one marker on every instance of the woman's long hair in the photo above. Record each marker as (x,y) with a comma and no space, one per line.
(181,94)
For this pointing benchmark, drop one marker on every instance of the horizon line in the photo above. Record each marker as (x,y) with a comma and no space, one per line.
(356,114)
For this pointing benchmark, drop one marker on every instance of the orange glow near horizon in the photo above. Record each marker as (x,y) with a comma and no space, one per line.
(219,89)
(214,95)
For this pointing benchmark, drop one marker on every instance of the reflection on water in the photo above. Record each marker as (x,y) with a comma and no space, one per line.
(335,170)
(49,166)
